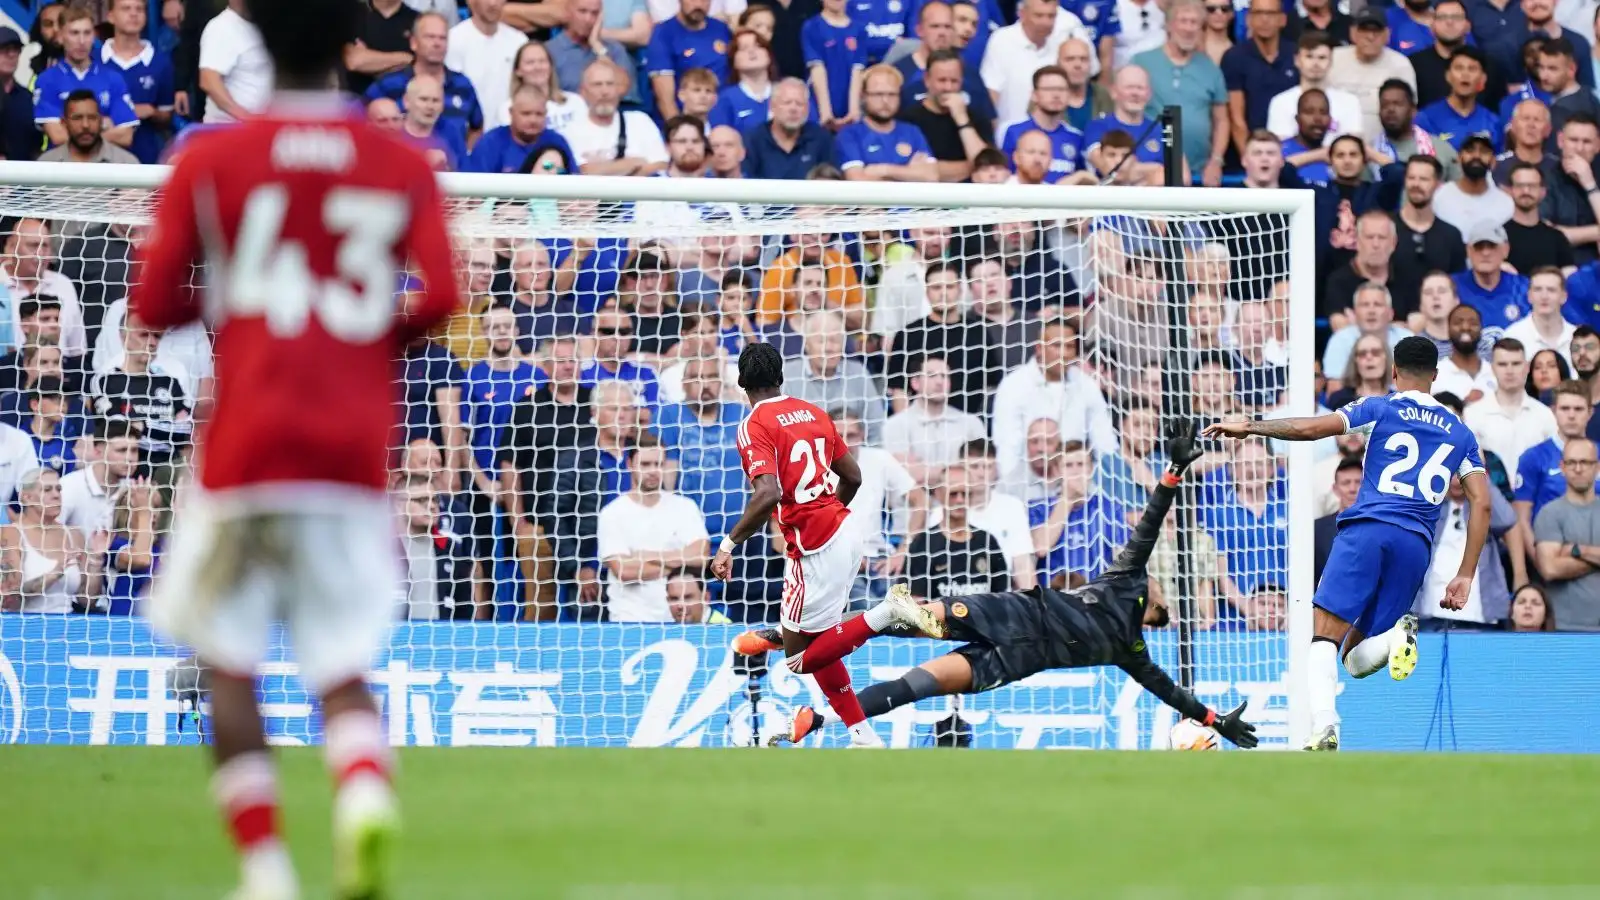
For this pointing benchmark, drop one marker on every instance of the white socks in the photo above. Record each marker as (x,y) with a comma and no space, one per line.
(1322,686)
(1370,655)
(863,735)
(879,617)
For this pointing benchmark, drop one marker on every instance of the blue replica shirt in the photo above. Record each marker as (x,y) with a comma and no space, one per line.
(643,378)
(737,109)
(1539,476)
(597,273)
(1316,173)
(882,23)
(1506,303)
(128,588)
(58,453)
(1441,120)
(1113,478)
(55,84)
(1066,147)
(1414,446)
(1089,540)
(1099,18)
(1528,91)
(1254,546)
(149,79)
(486,405)
(1146,150)
(859,144)
(461,115)
(709,471)
(452,158)
(1406,34)
(674,49)
(499,150)
(840,50)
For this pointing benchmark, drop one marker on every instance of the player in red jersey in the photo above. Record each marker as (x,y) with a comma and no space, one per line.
(305,218)
(802,471)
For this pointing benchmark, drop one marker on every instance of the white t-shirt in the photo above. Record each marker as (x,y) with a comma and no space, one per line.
(419,593)
(598,143)
(186,349)
(557,115)
(74,336)
(882,478)
(1525,331)
(1509,435)
(17,458)
(1144,27)
(924,437)
(1344,111)
(231,46)
(1464,210)
(1453,380)
(85,503)
(1448,550)
(670,382)
(486,60)
(1348,73)
(1010,60)
(628,526)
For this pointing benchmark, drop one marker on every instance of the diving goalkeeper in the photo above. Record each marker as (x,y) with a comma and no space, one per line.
(1012,635)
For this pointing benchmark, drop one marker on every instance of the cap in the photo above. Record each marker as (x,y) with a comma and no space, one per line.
(10,38)
(1486,233)
(1370,17)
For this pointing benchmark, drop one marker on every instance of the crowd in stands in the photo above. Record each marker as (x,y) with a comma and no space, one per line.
(569,443)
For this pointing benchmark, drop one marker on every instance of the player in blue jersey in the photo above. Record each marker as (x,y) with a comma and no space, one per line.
(1380,557)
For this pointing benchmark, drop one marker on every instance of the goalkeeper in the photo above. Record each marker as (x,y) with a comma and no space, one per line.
(1012,635)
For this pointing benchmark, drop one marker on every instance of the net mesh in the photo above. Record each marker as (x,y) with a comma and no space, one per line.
(1004,376)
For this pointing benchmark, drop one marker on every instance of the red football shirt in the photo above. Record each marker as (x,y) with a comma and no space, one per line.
(796,442)
(305,220)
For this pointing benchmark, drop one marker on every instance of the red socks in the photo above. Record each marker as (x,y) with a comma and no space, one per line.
(834,679)
(247,791)
(833,645)
(356,745)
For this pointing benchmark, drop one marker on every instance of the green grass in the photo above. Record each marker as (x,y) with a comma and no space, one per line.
(703,825)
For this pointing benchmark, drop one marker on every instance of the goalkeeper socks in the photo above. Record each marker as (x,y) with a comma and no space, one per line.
(834,679)
(838,642)
(915,685)
(1322,683)
(356,746)
(1368,656)
(246,789)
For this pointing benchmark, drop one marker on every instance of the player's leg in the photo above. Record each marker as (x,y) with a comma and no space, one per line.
(816,592)
(339,611)
(1393,628)
(1344,596)
(938,677)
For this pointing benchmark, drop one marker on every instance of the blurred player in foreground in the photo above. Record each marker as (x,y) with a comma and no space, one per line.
(1385,542)
(1014,634)
(305,218)
(802,472)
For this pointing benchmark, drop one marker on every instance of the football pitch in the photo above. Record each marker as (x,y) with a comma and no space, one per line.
(105,822)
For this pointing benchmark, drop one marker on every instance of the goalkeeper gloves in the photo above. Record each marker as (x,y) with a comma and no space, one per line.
(1233,727)
(1182,446)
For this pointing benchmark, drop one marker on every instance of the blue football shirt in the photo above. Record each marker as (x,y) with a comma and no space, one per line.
(882,23)
(1414,446)
(675,48)
(859,144)
(1147,137)
(1539,475)
(840,50)
(1440,119)
(55,84)
(1310,173)
(1407,35)
(487,403)
(1090,537)
(1505,303)
(461,114)
(149,79)
(1099,18)
(1066,147)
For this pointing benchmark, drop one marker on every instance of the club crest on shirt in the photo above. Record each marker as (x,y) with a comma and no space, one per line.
(1090,13)
(981,565)
(719,46)
(903,148)
(1152,145)
(1512,312)
(895,6)
(850,43)
(958,609)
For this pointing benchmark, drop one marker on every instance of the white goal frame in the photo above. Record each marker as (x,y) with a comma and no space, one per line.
(1040,201)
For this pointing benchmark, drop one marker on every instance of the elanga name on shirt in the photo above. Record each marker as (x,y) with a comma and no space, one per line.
(797,417)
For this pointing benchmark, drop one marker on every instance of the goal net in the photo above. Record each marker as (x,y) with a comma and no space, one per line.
(1004,360)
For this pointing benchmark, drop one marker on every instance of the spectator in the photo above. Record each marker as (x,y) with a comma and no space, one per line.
(510,148)
(539,316)
(1459,115)
(936,31)
(51,568)
(40,321)
(989,293)
(1571,201)
(1566,562)
(1463,372)
(88,495)
(1051,385)
(1143,27)
(1530,610)
(879,148)
(27,271)
(929,433)
(1016,51)
(843,292)
(1212,386)
(382,44)
(19,136)
(1493,18)
(44,41)
(1205,320)
(744,102)
(534,66)
(484,47)
(1305,149)
(888,495)
(835,54)
(688,601)
(580,42)
(492,389)
(953,558)
(1182,76)
(610,140)
(1363,68)
(1373,314)
(1376,245)
(702,339)
(1346,487)
(1086,98)
(961,339)
(133,548)
(613,346)
(1487,600)
(79,71)
(1534,243)
(700,433)
(385,114)
(1247,518)
(85,142)
(1127,476)
(1038,278)
(1547,369)
(902,296)
(688,151)
(424,105)
(1002,515)
(1544,328)
(1526,135)
(442,579)
(1216,36)
(1131,91)
(54,438)
(787,146)
(727,152)
(1064,143)
(690,39)
(589,476)
(463,118)
(645,534)
(38,361)
(148,394)
(1430,59)
(1510,421)
(1365,373)
(1538,19)
(147,74)
(1313,59)
(1539,474)
(1500,297)
(1424,242)
(1401,138)
(955,131)
(1558,76)
(236,73)
(1076,532)
(1261,378)
(825,377)
(1132,320)
(185,351)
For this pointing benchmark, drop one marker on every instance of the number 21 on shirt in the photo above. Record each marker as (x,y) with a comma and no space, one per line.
(817,476)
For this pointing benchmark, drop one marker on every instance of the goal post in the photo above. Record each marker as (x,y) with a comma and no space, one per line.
(544,675)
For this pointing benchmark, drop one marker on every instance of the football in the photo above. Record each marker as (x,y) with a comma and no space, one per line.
(1191,735)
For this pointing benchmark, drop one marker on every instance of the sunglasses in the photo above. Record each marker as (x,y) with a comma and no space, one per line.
(1218,9)
(619,332)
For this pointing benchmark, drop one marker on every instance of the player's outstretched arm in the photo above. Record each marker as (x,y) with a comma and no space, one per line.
(1476,485)
(764,498)
(1155,680)
(1182,451)
(1301,428)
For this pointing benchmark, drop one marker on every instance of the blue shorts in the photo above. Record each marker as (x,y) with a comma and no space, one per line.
(1373,574)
